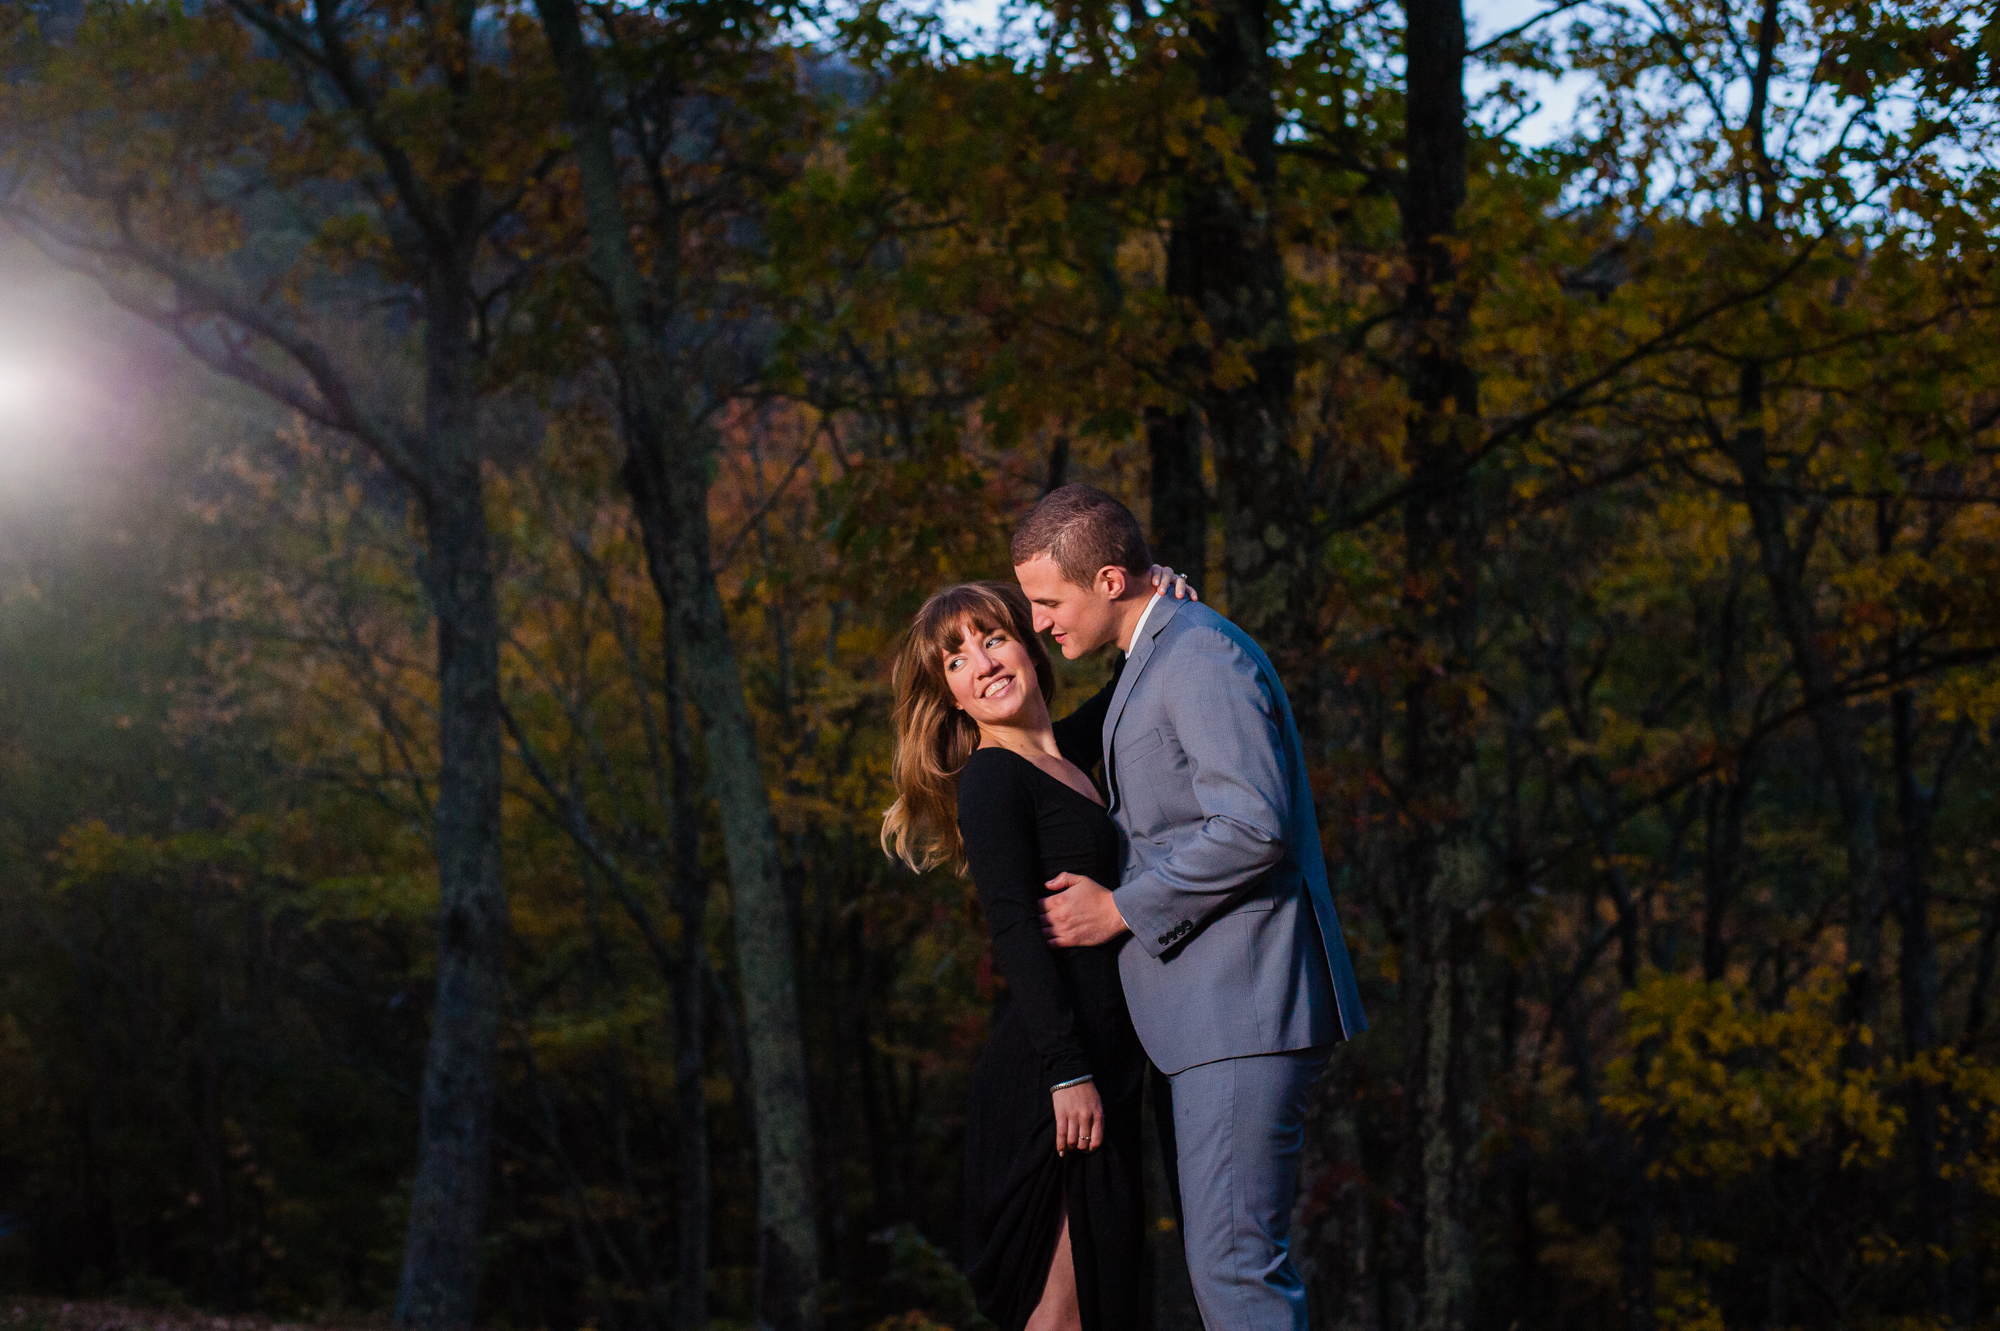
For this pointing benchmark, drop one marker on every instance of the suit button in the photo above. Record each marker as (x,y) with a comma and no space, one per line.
(1166,939)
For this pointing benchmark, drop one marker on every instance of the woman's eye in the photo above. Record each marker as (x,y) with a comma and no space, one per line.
(996,640)
(954,663)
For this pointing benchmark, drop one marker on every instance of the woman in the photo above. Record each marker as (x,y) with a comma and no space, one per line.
(986,782)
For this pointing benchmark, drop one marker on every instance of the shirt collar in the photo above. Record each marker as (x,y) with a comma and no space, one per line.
(1140,627)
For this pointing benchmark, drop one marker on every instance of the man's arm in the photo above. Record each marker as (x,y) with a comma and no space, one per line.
(1227,725)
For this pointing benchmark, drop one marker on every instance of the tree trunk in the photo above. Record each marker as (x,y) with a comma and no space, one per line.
(440,1279)
(1179,499)
(1224,268)
(1344,1279)
(690,990)
(670,498)
(665,472)
(1918,975)
(1834,729)
(1441,1098)
(1725,803)
(1725,799)
(1441,871)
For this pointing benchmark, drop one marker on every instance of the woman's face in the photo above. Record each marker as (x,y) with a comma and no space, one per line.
(992,677)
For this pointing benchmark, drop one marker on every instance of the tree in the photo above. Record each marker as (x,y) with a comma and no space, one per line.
(386,129)
(666,473)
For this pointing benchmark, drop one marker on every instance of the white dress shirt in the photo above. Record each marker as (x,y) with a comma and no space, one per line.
(1140,627)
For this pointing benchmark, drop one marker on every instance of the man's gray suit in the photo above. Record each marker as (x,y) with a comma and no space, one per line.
(1236,974)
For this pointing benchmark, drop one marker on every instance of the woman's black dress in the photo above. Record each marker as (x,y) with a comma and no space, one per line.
(1066,1017)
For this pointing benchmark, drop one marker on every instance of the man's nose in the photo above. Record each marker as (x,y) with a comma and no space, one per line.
(1043,623)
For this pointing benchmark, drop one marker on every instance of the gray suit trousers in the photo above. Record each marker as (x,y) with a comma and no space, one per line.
(1233,1146)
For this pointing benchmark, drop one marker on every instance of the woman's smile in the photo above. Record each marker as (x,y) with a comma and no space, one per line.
(997,698)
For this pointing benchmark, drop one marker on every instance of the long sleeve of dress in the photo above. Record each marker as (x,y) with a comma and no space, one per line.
(1080,735)
(996,816)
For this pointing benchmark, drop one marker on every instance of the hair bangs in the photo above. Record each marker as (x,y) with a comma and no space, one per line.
(940,626)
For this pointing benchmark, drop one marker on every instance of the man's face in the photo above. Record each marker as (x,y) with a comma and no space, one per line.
(1080,619)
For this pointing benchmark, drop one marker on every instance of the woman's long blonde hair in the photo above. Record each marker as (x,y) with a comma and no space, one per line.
(933,737)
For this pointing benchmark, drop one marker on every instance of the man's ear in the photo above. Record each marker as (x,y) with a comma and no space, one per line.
(1112,581)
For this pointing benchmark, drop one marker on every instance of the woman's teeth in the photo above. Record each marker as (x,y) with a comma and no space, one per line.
(996,687)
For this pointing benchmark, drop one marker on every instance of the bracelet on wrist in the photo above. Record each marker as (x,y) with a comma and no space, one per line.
(1073,1081)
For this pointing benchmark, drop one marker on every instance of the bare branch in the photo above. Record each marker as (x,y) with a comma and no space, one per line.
(1522,27)
(200,303)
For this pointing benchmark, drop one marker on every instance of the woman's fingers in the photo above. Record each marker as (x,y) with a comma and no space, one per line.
(1079,1115)
(1166,580)
(1079,1132)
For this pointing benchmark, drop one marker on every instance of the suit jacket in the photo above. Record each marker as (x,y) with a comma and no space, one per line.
(1236,948)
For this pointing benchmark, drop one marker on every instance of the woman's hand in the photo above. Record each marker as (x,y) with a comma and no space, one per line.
(1162,576)
(1079,1118)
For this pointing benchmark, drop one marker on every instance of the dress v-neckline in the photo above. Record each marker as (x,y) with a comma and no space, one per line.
(1051,776)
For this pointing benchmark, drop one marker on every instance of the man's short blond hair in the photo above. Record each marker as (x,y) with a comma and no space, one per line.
(1082,530)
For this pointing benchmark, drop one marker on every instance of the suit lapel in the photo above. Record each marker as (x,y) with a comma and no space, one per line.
(1135,664)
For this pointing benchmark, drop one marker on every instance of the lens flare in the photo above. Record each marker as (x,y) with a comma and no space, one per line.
(20,391)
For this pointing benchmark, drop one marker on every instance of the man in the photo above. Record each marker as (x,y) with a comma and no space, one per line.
(1236,972)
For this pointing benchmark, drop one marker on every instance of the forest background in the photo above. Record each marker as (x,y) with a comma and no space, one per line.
(466,466)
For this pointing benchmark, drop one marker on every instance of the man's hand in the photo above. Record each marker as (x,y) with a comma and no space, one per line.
(1080,912)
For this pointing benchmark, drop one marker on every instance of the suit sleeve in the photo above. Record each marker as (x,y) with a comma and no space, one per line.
(996,816)
(1080,735)
(1226,720)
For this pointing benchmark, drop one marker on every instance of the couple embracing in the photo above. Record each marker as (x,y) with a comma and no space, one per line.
(1177,915)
